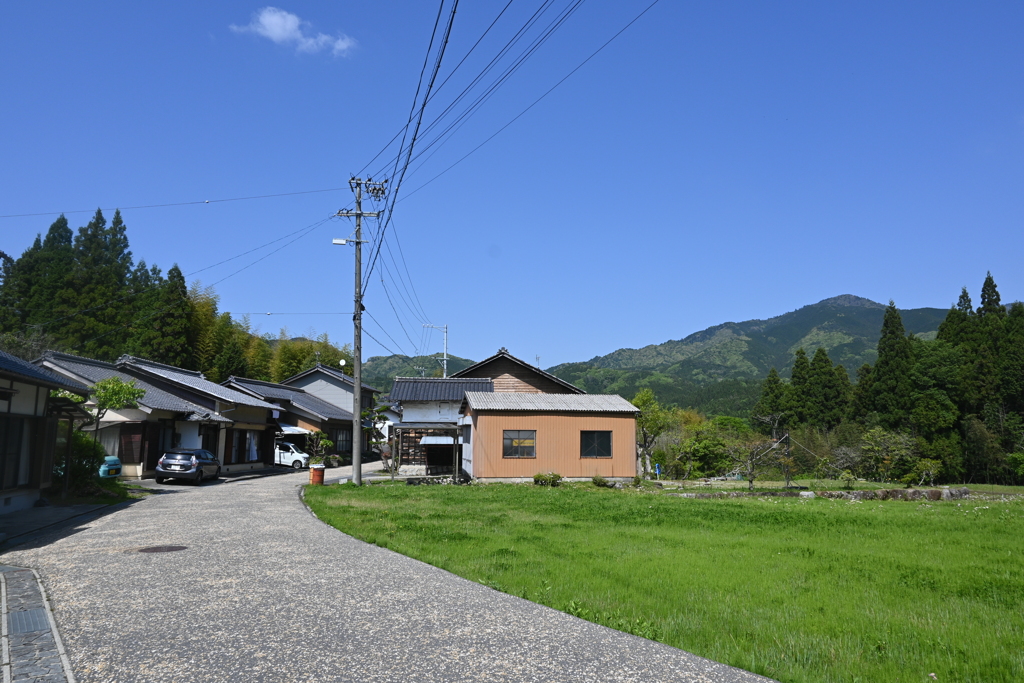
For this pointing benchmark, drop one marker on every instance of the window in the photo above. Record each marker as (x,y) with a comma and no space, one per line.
(595,444)
(467,433)
(519,443)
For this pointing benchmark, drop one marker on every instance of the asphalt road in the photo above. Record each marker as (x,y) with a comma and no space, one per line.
(266,592)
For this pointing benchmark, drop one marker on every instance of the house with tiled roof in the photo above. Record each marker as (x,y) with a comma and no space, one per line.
(302,413)
(180,408)
(427,437)
(335,387)
(30,420)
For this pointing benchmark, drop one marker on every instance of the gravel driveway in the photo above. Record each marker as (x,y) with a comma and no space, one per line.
(266,592)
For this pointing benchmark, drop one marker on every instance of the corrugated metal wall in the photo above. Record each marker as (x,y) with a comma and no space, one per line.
(558,445)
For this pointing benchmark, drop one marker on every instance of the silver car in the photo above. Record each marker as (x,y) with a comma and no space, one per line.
(193,464)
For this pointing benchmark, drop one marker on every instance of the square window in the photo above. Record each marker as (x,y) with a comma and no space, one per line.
(595,444)
(519,443)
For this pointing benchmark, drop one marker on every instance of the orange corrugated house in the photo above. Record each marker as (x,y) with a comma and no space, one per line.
(512,436)
(535,422)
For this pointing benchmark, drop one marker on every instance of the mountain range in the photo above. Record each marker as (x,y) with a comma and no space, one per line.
(718,370)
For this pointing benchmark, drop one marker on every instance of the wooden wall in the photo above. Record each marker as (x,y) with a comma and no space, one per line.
(510,376)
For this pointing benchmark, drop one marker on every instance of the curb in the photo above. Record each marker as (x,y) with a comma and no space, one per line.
(30,605)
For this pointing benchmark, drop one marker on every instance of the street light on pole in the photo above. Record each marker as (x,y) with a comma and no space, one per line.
(376,190)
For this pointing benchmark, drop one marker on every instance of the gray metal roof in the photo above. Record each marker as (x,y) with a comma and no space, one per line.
(333,373)
(575,403)
(24,370)
(298,397)
(93,371)
(192,379)
(436,388)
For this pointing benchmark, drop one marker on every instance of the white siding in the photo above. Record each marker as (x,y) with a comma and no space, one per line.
(430,411)
(334,391)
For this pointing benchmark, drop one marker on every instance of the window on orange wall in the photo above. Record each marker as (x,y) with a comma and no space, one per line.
(595,444)
(519,443)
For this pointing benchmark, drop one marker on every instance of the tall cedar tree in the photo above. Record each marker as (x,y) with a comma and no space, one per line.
(35,285)
(161,330)
(769,413)
(825,405)
(1012,358)
(890,387)
(797,395)
(102,266)
(957,327)
(985,374)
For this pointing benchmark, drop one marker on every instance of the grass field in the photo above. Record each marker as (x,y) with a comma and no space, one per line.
(798,590)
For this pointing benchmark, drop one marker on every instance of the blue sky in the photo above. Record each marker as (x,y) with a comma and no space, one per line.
(717,161)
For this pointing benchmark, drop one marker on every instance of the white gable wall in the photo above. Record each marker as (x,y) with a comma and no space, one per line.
(329,389)
(430,411)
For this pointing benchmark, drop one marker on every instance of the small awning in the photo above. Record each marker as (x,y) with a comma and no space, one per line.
(436,440)
(425,425)
(290,430)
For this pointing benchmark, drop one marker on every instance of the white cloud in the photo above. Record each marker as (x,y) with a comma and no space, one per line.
(285,28)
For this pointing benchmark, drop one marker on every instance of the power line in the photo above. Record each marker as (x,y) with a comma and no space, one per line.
(537,101)
(157,206)
(400,175)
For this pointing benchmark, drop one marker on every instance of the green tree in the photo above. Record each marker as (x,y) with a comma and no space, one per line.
(827,392)
(161,333)
(797,403)
(770,410)
(652,421)
(957,328)
(113,393)
(1012,359)
(98,329)
(890,385)
(887,455)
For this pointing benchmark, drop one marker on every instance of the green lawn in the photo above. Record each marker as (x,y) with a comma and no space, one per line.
(799,590)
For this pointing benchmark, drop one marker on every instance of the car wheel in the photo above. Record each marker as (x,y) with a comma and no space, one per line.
(199,478)
(297,465)
(160,480)
(217,474)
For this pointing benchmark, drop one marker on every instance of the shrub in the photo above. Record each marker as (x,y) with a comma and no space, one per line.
(547,479)
(599,480)
(86,458)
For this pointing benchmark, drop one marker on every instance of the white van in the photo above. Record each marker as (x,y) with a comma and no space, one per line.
(289,454)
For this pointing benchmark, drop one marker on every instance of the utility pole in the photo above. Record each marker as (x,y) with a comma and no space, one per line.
(444,363)
(377,191)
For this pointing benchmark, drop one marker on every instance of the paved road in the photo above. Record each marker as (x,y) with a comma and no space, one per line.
(266,592)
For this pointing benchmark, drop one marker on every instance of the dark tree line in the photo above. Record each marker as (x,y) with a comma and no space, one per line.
(83,293)
(951,408)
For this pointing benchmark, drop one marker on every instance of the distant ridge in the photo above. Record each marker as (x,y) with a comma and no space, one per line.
(846,326)
(717,370)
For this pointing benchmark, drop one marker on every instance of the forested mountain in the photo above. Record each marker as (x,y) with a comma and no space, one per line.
(380,371)
(949,408)
(84,293)
(690,371)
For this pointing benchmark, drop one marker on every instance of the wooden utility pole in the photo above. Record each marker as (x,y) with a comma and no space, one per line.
(377,191)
